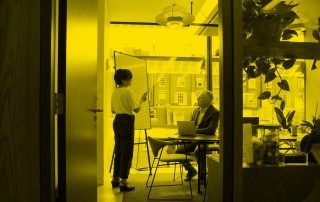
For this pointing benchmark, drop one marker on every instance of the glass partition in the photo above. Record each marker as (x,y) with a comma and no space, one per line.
(176,67)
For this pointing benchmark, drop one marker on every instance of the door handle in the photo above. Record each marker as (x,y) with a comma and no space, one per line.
(96,110)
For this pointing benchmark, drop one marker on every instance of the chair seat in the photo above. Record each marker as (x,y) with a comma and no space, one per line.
(176,158)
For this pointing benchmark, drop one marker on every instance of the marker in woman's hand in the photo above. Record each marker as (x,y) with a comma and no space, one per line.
(144,96)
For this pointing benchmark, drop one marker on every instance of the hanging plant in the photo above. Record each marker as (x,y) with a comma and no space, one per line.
(268,68)
(262,23)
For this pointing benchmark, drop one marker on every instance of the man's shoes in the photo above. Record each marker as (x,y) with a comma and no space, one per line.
(126,187)
(192,172)
(115,183)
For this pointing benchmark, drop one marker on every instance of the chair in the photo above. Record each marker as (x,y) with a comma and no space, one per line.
(166,159)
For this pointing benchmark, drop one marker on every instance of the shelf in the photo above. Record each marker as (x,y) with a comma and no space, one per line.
(268,183)
(287,183)
(298,50)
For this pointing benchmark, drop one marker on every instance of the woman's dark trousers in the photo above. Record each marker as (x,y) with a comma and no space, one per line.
(123,127)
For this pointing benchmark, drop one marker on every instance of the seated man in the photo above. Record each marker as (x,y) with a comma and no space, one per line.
(206,118)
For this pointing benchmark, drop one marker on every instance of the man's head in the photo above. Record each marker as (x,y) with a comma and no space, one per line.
(205,99)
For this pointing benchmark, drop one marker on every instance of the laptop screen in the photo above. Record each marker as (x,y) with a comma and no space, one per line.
(186,127)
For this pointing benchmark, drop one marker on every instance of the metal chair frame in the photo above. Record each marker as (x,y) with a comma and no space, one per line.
(157,152)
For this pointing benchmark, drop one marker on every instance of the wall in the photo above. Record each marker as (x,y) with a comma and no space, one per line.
(108,88)
(100,91)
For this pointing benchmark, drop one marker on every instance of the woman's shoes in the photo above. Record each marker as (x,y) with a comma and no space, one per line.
(126,187)
(115,183)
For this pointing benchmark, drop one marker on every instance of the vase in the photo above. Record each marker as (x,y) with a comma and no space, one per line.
(258,152)
(294,131)
(271,149)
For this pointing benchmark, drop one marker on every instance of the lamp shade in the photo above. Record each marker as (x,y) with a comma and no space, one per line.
(174,16)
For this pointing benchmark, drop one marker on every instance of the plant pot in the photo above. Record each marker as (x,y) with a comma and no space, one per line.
(267,28)
(294,131)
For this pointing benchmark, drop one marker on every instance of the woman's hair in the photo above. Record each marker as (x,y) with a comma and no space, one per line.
(122,74)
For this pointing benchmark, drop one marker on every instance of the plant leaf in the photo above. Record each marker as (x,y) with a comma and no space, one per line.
(246,62)
(316,123)
(265,95)
(290,117)
(288,18)
(276,61)
(287,115)
(316,35)
(287,64)
(280,117)
(263,65)
(307,123)
(276,97)
(250,70)
(284,85)
(282,105)
(288,34)
(314,65)
(283,7)
(270,77)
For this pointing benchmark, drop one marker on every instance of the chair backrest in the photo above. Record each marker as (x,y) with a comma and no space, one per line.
(156,145)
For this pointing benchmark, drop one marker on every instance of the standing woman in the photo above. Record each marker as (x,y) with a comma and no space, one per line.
(123,104)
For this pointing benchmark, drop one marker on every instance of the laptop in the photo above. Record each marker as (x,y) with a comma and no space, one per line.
(186,128)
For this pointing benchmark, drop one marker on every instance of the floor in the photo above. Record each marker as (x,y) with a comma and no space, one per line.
(107,194)
(140,160)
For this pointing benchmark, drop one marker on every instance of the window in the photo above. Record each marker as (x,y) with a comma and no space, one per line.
(162,82)
(180,81)
(181,98)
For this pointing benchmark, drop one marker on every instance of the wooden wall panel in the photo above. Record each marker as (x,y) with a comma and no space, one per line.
(19,100)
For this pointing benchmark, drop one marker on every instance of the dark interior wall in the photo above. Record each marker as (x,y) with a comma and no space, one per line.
(19,100)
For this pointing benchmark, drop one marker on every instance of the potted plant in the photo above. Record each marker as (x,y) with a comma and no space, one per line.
(263,20)
(314,136)
(284,121)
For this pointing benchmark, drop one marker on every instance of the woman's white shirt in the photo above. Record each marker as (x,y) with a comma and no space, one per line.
(123,101)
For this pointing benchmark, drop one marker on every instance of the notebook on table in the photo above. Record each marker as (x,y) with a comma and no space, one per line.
(186,128)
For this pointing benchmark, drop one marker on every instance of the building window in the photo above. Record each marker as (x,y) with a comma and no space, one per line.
(181,98)
(199,82)
(180,81)
(162,82)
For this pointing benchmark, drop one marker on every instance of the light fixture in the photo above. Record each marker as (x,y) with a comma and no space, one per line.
(175,16)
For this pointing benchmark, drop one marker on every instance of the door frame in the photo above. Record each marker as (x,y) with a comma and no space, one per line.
(46,122)
(61,118)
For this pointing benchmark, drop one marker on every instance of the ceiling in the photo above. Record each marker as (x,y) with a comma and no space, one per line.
(144,10)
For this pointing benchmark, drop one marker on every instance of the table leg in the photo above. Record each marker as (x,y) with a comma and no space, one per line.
(205,165)
(199,155)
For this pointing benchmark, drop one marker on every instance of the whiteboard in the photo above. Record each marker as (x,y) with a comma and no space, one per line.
(139,85)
